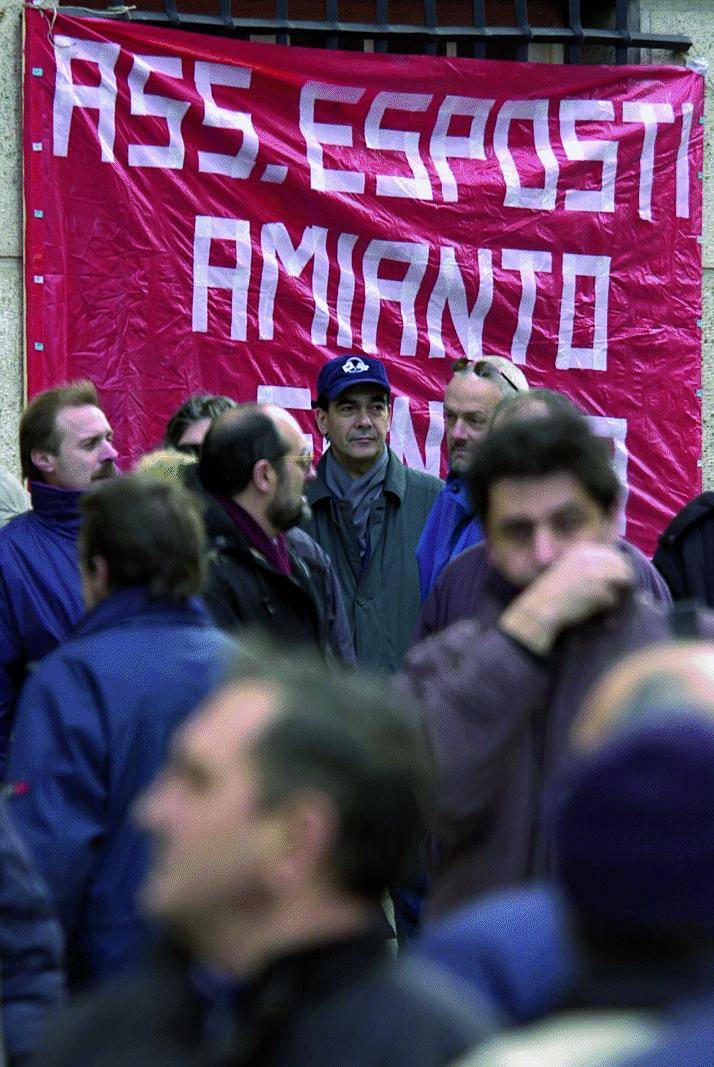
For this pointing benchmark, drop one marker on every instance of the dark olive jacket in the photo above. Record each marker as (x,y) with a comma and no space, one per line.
(382,596)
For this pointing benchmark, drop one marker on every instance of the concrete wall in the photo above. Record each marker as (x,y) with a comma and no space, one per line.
(692,17)
(11,328)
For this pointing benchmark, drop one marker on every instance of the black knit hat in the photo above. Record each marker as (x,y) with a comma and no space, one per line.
(635,827)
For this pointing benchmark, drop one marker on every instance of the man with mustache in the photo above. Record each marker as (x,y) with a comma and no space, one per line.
(65,449)
(368,509)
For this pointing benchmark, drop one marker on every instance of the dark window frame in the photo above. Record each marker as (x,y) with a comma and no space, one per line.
(428,37)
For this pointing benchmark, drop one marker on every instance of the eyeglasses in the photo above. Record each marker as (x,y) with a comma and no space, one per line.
(484,368)
(303,460)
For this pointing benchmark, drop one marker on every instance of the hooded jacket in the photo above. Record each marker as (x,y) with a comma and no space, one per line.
(92,729)
(40,589)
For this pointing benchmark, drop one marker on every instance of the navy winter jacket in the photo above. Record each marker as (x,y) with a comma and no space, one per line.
(92,729)
(32,986)
(40,590)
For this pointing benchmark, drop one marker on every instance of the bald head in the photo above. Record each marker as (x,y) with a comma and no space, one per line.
(663,676)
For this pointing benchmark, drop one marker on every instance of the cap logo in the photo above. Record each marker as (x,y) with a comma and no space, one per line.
(354,365)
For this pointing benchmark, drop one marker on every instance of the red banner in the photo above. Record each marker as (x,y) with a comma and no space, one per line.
(220,215)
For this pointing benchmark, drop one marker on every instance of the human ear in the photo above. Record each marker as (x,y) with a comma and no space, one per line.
(46,462)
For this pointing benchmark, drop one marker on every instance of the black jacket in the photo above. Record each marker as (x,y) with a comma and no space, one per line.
(685,554)
(244,590)
(344,1004)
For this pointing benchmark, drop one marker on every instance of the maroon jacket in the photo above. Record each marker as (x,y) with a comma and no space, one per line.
(457,592)
(498,719)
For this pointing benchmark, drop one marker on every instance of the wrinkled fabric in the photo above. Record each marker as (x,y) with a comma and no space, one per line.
(498,720)
(243,589)
(345,1003)
(31,948)
(458,590)
(450,529)
(93,727)
(40,589)
(361,493)
(382,597)
(685,553)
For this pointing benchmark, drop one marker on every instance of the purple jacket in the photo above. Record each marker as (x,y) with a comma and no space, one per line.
(498,720)
(457,592)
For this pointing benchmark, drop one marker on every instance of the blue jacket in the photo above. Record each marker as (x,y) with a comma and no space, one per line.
(31,944)
(516,947)
(451,528)
(40,590)
(92,729)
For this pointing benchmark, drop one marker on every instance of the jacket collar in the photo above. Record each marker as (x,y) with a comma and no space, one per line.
(56,507)
(395,480)
(128,604)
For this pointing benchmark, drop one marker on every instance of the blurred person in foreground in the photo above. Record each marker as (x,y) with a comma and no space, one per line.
(265,572)
(475,391)
(456,592)
(31,950)
(94,720)
(634,832)
(188,426)
(66,448)
(501,688)
(291,801)
(518,946)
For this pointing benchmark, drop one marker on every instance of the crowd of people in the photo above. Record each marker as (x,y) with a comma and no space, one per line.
(345,766)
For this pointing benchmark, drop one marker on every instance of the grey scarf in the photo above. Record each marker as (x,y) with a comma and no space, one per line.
(361,492)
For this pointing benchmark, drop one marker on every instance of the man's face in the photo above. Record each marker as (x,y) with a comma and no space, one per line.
(289,506)
(531,522)
(85,455)
(469,403)
(214,845)
(192,437)
(356,424)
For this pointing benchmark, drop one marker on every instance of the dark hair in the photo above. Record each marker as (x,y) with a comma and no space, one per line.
(345,736)
(149,532)
(516,405)
(533,448)
(38,425)
(233,445)
(197,407)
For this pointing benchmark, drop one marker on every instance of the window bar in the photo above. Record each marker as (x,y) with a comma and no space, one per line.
(224,10)
(575,50)
(281,15)
(479,10)
(171,12)
(331,16)
(622,23)
(431,21)
(526,34)
(381,41)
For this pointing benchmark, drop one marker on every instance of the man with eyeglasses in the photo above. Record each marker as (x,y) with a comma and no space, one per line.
(473,394)
(368,509)
(264,572)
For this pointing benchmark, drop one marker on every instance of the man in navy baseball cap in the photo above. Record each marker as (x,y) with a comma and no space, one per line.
(344,372)
(368,509)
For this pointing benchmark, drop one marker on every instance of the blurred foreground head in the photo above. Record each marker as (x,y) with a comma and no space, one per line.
(664,675)
(293,799)
(635,836)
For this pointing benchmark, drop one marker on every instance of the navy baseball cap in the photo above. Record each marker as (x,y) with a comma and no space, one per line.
(343,371)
